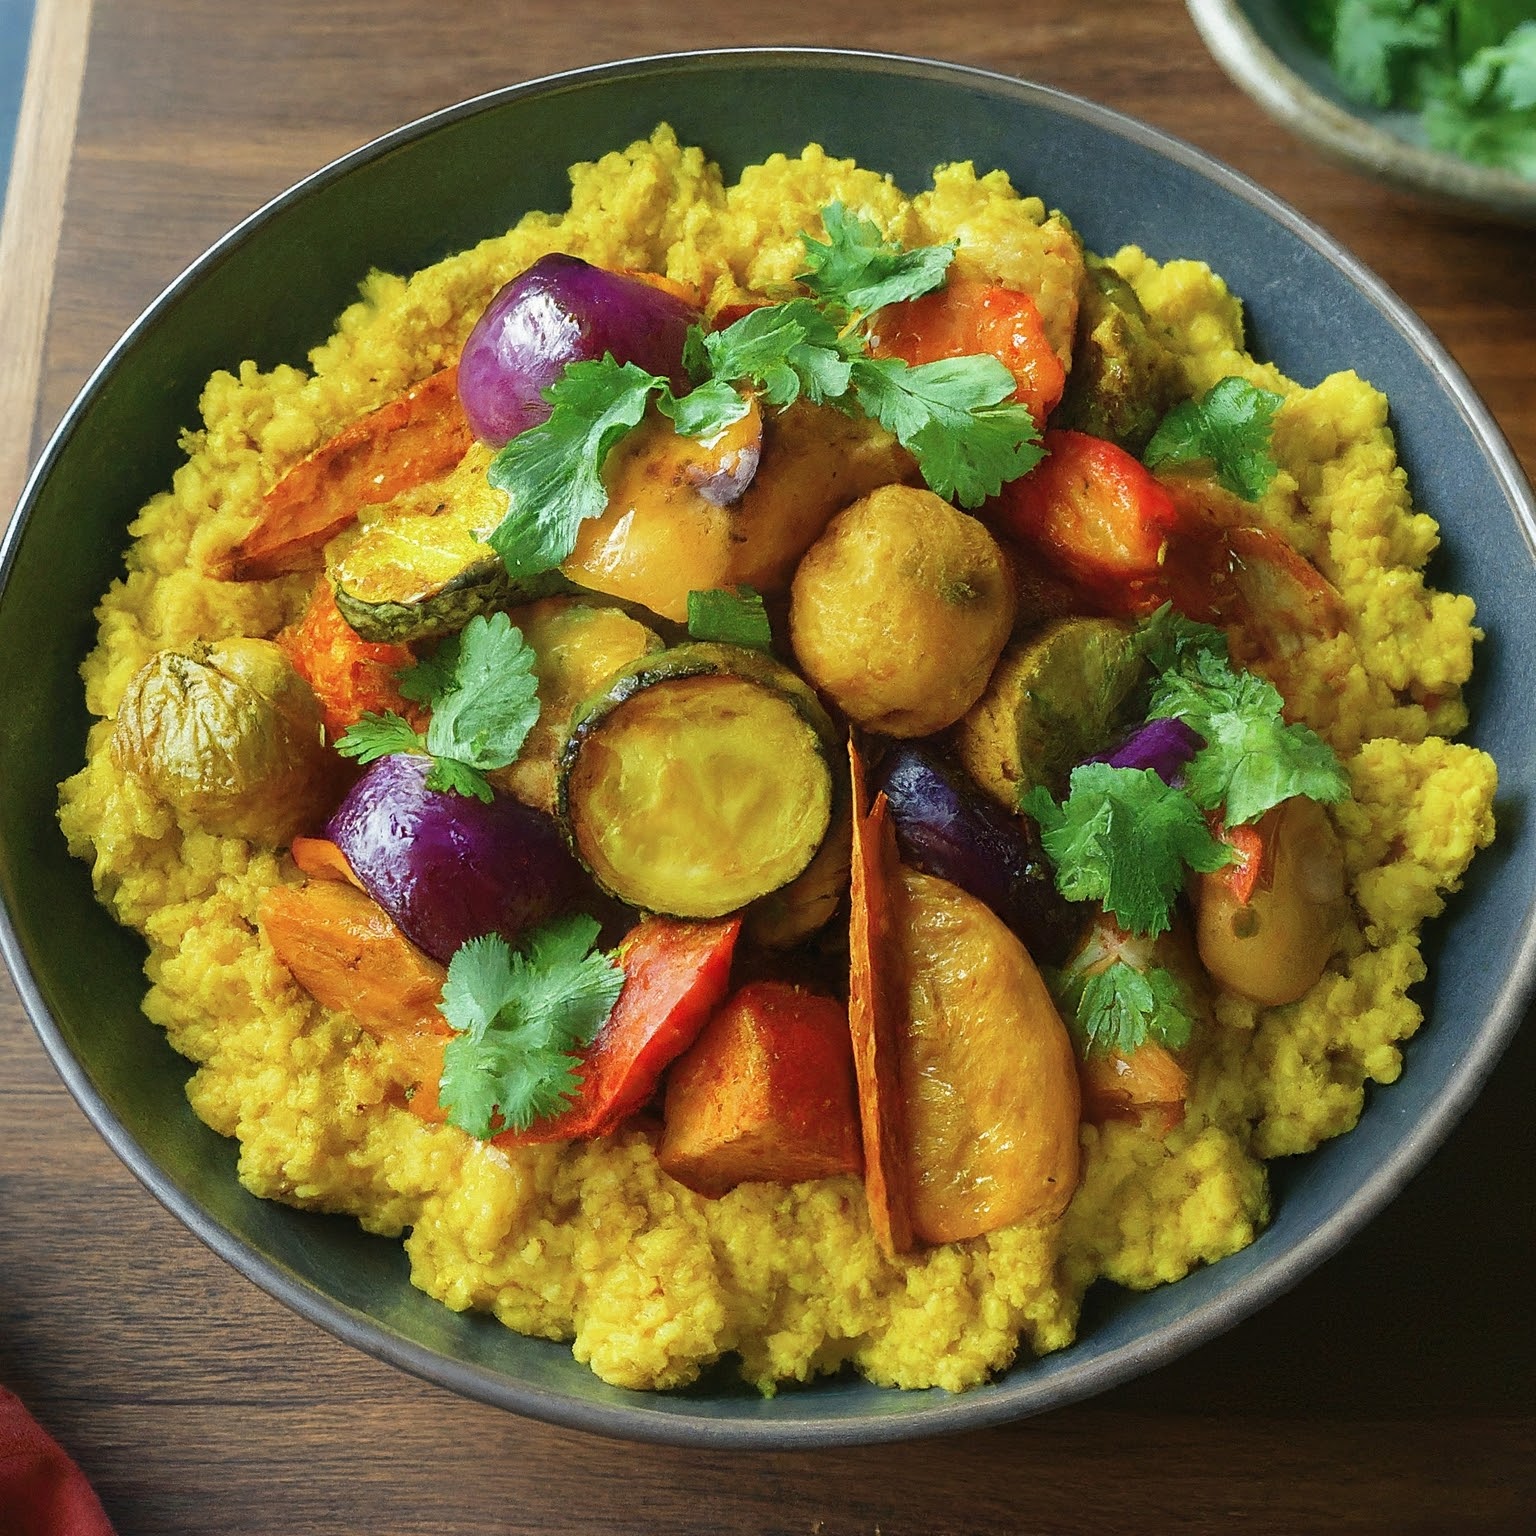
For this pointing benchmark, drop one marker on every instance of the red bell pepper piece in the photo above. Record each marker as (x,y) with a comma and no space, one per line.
(1095,513)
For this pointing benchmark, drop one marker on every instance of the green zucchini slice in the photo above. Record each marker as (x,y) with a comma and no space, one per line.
(1055,698)
(421,567)
(699,779)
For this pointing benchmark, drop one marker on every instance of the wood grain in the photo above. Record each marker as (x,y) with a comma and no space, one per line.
(1390,1392)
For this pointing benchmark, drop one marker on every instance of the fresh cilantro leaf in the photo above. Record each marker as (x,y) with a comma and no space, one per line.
(783,351)
(483,695)
(1120,1008)
(376,736)
(552,473)
(702,412)
(521,1020)
(1379,44)
(731,617)
(1230,427)
(1252,760)
(1124,838)
(860,270)
(1487,111)
(952,417)
(492,702)
(1168,639)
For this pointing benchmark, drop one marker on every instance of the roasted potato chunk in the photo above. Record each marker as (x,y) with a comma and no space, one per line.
(899,564)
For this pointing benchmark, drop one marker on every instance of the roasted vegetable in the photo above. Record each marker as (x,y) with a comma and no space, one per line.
(698,780)
(783,918)
(877,1014)
(350,676)
(675,975)
(230,736)
(1054,699)
(404,442)
(448,867)
(1097,515)
(1124,378)
(1147,1085)
(968,317)
(946,826)
(662,537)
(563,310)
(900,609)
(1273,946)
(577,648)
(764,1094)
(348,954)
(422,568)
(988,1077)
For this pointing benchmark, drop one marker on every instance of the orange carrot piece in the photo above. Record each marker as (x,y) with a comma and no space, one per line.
(876,1008)
(1094,511)
(765,1094)
(348,953)
(350,676)
(968,317)
(401,444)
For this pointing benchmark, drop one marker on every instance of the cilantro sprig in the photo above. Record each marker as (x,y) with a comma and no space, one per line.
(1252,759)
(731,616)
(1228,427)
(522,1018)
(956,417)
(1122,1007)
(482,692)
(1124,838)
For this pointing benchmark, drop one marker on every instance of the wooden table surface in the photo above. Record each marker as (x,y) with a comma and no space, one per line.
(1392,1391)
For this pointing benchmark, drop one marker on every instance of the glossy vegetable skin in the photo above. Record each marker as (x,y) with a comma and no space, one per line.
(1095,513)
(765,1093)
(449,868)
(228,735)
(946,826)
(563,310)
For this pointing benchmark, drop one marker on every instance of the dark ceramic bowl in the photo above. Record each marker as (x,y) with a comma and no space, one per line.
(1261,45)
(272,289)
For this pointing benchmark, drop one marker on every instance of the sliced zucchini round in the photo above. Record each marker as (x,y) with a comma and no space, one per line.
(697,780)
(1054,699)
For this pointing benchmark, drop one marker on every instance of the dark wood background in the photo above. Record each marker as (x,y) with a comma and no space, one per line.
(1392,1391)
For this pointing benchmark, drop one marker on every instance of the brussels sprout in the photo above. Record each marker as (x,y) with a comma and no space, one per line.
(230,736)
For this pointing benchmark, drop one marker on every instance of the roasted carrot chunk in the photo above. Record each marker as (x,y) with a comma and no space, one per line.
(347,953)
(1092,510)
(968,317)
(764,1094)
(350,676)
(876,1011)
(403,443)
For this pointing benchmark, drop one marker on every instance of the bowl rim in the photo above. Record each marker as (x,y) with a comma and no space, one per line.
(1347,137)
(924,1413)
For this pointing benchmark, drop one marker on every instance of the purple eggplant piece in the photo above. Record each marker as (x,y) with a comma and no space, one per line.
(448,867)
(946,826)
(563,310)
(1164,745)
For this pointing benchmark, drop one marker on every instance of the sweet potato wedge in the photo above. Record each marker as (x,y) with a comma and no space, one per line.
(876,1003)
(347,953)
(402,443)
(764,1094)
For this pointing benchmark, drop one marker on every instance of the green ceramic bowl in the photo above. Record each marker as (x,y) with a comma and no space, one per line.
(272,288)
(1261,46)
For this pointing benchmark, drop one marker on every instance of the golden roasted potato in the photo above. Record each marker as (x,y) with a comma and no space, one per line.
(899,611)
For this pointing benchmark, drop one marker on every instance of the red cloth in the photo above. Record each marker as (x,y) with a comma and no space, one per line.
(42,1492)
